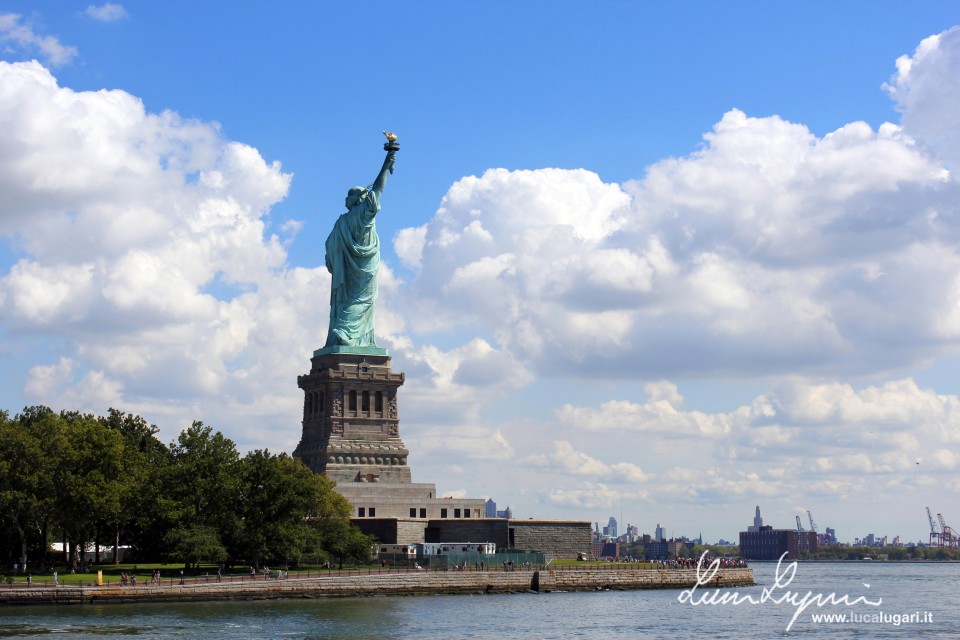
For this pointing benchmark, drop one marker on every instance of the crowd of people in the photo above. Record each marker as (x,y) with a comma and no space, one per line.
(691,563)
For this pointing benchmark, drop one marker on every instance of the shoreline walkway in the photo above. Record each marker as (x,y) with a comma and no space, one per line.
(393,582)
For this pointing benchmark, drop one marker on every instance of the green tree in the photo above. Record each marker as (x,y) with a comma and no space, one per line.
(895,553)
(344,542)
(288,512)
(203,484)
(142,520)
(338,537)
(195,544)
(21,476)
(274,504)
(89,479)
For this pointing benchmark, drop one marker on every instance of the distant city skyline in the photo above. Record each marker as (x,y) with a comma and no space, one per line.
(664,260)
(867,539)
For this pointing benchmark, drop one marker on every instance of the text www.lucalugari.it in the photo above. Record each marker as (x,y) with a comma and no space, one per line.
(879,617)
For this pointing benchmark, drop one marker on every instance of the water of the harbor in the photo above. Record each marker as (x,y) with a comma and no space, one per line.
(908,594)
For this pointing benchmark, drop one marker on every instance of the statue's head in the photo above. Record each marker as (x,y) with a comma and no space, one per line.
(354,195)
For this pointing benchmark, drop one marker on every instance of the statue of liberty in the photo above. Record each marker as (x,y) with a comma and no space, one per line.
(353,259)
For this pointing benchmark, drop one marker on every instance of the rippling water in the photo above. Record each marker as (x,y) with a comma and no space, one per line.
(903,588)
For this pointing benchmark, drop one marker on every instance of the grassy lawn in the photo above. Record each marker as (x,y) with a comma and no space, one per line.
(111,574)
(168,572)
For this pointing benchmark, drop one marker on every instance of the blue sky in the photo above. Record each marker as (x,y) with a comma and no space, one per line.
(677,259)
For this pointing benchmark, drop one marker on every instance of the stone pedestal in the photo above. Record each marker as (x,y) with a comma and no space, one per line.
(351,433)
(351,424)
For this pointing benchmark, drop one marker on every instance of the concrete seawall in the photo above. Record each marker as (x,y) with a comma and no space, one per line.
(374,584)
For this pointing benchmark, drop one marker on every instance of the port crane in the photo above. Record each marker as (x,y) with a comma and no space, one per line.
(942,535)
(934,531)
(799,524)
(948,538)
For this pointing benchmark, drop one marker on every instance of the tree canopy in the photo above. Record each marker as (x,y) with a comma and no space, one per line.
(109,480)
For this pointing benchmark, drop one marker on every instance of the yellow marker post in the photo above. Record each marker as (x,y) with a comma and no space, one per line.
(100,578)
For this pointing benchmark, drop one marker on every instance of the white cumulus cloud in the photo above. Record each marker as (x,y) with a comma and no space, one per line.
(926,92)
(770,250)
(566,460)
(146,248)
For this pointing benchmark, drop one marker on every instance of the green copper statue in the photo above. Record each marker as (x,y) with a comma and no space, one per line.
(353,258)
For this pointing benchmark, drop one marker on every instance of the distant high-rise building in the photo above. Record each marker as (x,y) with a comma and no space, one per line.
(610,531)
(660,534)
(491,508)
(757,521)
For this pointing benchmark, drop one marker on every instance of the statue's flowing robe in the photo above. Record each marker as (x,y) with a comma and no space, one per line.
(353,258)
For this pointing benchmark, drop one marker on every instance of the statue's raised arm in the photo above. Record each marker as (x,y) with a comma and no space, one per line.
(353,260)
(391,147)
(387,167)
